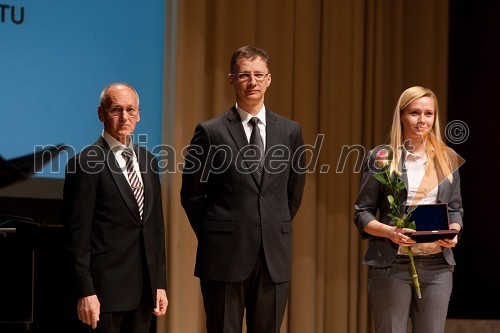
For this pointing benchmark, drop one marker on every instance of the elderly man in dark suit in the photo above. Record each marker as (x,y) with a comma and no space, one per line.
(114,223)
(242,185)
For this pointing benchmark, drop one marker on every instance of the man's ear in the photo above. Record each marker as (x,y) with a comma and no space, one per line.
(230,79)
(100,113)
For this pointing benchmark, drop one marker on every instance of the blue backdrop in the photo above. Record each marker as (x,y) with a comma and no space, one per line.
(55,58)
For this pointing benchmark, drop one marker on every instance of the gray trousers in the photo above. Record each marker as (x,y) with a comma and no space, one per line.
(393,299)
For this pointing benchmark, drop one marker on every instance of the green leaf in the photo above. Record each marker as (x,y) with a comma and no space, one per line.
(411,209)
(380,177)
(393,203)
(393,217)
(412,225)
(399,185)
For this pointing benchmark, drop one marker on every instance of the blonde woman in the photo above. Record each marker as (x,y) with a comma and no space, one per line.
(429,171)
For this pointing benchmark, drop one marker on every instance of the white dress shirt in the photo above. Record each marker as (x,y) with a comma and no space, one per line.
(117,148)
(422,193)
(416,167)
(245,118)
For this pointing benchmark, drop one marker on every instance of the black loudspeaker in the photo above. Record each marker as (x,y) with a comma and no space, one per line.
(17,271)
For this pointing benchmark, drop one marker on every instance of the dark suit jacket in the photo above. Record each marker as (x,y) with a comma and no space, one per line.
(113,252)
(230,214)
(372,198)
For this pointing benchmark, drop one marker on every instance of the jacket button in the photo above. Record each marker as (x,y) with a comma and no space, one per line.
(258,224)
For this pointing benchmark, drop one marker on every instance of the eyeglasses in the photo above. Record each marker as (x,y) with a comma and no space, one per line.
(259,77)
(117,111)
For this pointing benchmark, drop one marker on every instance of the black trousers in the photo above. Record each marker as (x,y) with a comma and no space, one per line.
(264,301)
(137,320)
(134,321)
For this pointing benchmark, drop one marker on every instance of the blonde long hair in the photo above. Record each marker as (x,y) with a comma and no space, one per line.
(437,151)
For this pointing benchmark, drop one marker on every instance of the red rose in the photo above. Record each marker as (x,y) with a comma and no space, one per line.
(382,158)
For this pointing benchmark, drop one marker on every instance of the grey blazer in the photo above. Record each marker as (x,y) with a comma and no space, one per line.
(372,198)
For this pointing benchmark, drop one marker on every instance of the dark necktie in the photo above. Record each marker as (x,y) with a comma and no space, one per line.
(256,139)
(133,177)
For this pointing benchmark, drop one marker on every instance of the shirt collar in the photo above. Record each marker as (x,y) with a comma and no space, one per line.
(245,116)
(115,145)
(410,157)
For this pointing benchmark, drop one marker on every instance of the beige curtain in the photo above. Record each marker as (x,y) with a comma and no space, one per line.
(338,67)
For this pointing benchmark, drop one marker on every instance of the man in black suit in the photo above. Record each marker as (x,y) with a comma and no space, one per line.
(241,205)
(114,223)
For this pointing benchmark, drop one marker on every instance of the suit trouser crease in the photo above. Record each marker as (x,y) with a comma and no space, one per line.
(393,299)
(264,300)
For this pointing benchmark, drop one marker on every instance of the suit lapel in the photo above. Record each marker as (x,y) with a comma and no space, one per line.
(444,189)
(120,181)
(273,132)
(236,129)
(404,177)
(146,175)
(240,139)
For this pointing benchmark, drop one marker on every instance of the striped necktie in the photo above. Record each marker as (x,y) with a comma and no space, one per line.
(256,139)
(133,177)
